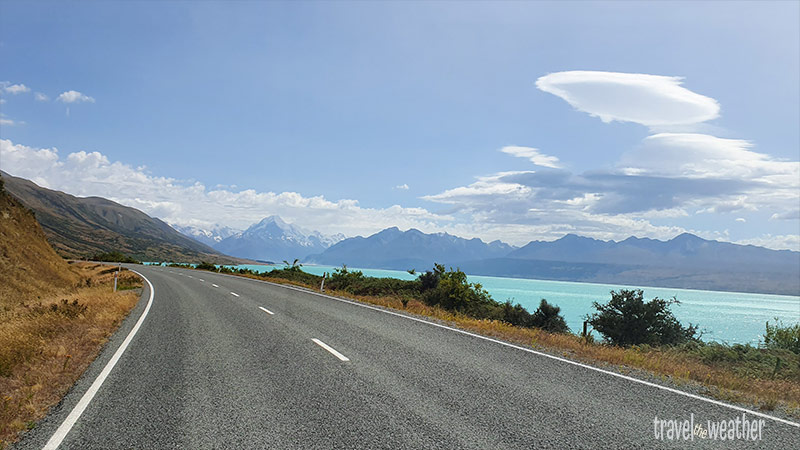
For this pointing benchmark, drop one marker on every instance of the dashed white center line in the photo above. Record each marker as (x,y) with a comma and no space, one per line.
(214,285)
(331,349)
(189,276)
(201,279)
(234,294)
(265,310)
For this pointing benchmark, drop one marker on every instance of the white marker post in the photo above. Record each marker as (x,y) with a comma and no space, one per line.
(322,285)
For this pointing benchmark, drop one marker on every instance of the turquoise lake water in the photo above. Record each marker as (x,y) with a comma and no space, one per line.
(723,316)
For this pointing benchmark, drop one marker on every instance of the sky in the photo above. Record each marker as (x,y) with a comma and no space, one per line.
(516,121)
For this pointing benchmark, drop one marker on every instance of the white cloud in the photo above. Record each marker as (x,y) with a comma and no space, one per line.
(668,176)
(4,121)
(792,214)
(650,100)
(92,173)
(402,187)
(14,88)
(741,219)
(40,97)
(533,154)
(74,97)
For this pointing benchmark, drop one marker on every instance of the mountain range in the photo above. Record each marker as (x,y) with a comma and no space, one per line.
(686,261)
(79,227)
(395,249)
(274,240)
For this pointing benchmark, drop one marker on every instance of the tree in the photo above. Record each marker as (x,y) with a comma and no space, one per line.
(547,317)
(628,320)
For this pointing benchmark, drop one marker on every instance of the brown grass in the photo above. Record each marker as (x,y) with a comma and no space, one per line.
(665,365)
(48,340)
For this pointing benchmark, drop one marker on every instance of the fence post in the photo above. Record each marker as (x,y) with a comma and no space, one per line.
(585,323)
(322,285)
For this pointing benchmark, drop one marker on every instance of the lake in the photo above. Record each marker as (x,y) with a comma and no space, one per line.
(730,317)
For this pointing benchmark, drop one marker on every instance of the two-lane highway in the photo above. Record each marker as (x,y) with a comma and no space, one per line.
(228,362)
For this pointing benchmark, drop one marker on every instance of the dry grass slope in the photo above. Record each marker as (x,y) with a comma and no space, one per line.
(54,318)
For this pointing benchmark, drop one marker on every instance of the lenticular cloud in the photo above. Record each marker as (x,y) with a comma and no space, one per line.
(650,100)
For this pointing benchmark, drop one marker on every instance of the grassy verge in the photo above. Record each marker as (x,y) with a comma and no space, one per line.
(46,343)
(765,379)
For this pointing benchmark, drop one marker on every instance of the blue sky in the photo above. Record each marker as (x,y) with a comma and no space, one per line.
(323,112)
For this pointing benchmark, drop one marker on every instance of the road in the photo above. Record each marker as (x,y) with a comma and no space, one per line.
(227,362)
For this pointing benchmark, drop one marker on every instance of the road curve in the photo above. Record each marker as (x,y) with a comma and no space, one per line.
(227,362)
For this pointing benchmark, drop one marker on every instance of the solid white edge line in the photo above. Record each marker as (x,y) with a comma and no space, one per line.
(234,293)
(331,350)
(266,310)
(529,350)
(73,416)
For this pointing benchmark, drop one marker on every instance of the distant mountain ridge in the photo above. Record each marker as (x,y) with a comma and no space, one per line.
(395,249)
(79,227)
(272,239)
(686,261)
(210,236)
(685,250)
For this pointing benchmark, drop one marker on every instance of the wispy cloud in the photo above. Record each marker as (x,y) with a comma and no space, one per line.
(74,97)
(533,154)
(402,187)
(9,123)
(39,97)
(650,100)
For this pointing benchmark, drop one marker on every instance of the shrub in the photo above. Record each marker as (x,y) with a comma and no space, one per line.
(547,317)
(206,266)
(782,336)
(628,320)
(430,279)
(453,292)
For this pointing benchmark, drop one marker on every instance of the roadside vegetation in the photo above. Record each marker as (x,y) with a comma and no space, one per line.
(54,318)
(635,335)
(47,341)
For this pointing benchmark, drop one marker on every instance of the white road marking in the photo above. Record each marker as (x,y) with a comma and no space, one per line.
(265,310)
(73,416)
(234,294)
(201,279)
(529,350)
(189,276)
(331,349)
(214,285)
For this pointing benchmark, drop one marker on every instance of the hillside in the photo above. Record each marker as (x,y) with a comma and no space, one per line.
(272,239)
(28,265)
(402,250)
(80,227)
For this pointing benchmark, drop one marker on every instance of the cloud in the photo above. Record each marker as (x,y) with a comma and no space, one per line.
(669,175)
(650,100)
(8,122)
(39,97)
(180,202)
(792,214)
(402,187)
(533,155)
(74,97)
(741,219)
(14,88)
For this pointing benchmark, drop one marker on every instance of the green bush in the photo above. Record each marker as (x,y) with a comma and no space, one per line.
(782,336)
(206,266)
(628,320)
(547,317)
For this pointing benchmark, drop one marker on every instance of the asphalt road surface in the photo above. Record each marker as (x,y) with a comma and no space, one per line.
(226,362)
